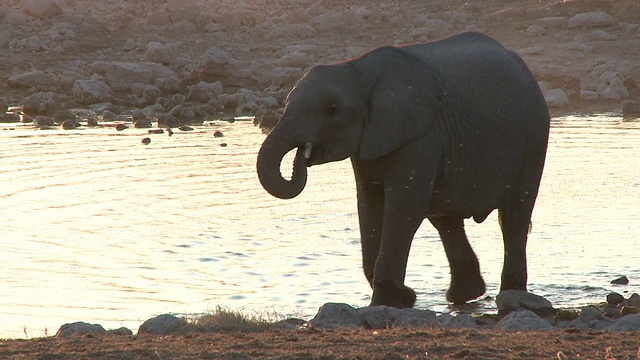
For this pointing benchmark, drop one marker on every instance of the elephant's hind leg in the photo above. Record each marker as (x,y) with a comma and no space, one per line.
(515,227)
(466,281)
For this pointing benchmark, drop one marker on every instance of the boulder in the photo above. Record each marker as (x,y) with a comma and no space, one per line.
(120,76)
(380,317)
(521,320)
(159,53)
(513,300)
(591,19)
(626,323)
(80,329)
(218,65)
(630,108)
(161,325)
(294,59)
(556,98)
(91,92)
(334,315)
(41,9)
(31,79)
(41,103)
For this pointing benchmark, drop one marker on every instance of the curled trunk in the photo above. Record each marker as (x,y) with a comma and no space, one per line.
(268,167)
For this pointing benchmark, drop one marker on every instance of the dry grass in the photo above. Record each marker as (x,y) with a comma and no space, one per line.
(227,320)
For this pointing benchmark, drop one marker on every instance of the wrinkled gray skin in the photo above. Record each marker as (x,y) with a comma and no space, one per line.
(444,131)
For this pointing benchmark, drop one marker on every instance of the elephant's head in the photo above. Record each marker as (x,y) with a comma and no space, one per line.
(366,107)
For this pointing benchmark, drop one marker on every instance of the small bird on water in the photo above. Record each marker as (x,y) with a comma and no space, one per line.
(185,128)
(169,131)
(121,127)
(146,141)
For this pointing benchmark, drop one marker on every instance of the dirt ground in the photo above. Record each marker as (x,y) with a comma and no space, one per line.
(311,343)
(508,21)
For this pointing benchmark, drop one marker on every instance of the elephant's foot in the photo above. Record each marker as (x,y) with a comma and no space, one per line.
(464,289)
(388,293)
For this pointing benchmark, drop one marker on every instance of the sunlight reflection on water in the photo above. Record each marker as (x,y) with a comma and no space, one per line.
(98,227)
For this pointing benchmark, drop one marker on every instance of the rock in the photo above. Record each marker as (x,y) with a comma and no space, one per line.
(120,76)
(203,92)
(167,120)
(625,323)
(622,280)
(608,94)
(588,95)
(614,298)
(142,123)
(41,9)
(70,124)
(377,317)
(591,19)
(634,300)
(552,22)
(588,315)
(146,141)
(41,103)
(415,318)
(512,300)
(535,30)
(630,108)
(31,79)
(80,329)
(159,53)
(334,315)
(294,59)
(522,320)
(628,310)
(123,331)
(462,321)
(169,85)
(218,134)
(42,120)
(91,92)
(161,325)
(218,65)
(556,98)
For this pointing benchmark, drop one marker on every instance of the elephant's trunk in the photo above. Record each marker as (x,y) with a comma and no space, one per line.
(268,166)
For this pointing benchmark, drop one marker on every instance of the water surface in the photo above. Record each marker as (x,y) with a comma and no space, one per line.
(97,227)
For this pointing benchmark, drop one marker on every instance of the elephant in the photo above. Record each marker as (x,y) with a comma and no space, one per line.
(447,131)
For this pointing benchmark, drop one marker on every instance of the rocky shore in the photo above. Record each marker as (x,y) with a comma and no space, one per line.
(188,61)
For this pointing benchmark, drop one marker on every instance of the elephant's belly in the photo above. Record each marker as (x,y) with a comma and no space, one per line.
(465,202)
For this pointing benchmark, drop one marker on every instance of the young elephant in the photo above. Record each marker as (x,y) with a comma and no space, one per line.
(445,131)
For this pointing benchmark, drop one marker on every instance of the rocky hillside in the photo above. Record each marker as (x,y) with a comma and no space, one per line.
(198,59)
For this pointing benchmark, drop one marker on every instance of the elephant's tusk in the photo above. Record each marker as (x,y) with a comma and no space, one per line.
(307,151)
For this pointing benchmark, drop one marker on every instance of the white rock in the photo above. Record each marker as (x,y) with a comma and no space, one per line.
(556,98)
(600,34)
(31,79)
(523,320)
(332,315)
(591,19)
(161,325)
(545,86)
(159,53)
(217,64)
(626,323)
(41,9)
(535,30)
(80,329)
(294,59)
(617,85)
(588,95)
(121,75)
(552,22)
(91,92)
(512,300)
(608,94)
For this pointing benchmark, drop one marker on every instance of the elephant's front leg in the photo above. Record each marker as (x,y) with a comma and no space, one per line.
(370,212)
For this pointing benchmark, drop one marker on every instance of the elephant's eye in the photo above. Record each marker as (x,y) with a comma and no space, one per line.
(332,110)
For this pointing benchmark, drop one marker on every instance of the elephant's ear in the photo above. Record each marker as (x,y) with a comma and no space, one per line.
(404,105)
